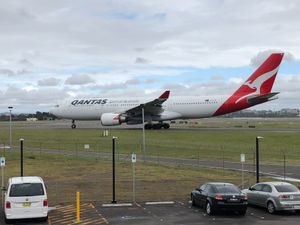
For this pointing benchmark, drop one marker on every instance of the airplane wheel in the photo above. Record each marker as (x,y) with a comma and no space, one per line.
(148,126)
(166,125)
(73,126)
(157,126)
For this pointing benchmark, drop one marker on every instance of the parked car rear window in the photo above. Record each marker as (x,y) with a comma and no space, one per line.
(226,189)
(28,189)
(286,188)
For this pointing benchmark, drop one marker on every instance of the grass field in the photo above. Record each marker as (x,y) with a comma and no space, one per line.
(216,144)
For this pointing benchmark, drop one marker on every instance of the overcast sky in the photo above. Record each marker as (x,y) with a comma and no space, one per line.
(59,49)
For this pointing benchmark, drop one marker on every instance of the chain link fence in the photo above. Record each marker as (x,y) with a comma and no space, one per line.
(149,187)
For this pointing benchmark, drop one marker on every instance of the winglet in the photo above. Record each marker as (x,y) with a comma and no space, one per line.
(165,95)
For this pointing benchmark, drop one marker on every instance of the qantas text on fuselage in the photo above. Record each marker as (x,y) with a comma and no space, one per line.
(115,111)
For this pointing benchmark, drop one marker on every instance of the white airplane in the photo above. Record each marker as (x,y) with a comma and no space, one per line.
(115,111)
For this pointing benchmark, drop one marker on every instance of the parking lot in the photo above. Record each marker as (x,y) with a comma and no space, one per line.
(152,214)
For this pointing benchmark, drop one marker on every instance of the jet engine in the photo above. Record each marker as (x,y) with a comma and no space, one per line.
(112,119)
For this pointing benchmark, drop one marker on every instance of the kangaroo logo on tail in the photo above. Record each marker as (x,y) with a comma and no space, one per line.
(257,83)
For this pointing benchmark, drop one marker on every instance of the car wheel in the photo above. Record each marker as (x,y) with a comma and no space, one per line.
(44,219)
(271,207)
(209,209)
(193,200)
(7,221)
(242,212)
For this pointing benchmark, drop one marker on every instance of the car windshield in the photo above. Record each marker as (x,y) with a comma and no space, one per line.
(226,189)
(286,188)
(28,189)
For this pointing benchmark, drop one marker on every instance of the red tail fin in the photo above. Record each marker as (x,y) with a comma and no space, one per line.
(263,78)
(259,83)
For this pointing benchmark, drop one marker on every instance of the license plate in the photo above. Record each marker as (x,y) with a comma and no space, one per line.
(26,204)
(233,199)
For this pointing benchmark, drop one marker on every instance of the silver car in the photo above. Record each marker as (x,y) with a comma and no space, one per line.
(275,196)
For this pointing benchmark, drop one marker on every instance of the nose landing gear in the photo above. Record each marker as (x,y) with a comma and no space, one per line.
(73,126)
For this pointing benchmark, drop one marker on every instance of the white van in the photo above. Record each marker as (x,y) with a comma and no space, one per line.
(26,197)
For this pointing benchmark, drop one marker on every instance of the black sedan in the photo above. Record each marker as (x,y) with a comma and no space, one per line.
(219,196)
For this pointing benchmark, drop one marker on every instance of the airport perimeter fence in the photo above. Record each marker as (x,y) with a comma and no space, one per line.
(95,187)
(64,176)
(165,148)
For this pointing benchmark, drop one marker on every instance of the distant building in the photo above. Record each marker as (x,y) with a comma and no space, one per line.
(32,119)
(265,113)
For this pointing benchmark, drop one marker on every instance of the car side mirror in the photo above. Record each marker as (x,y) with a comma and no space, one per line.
(251,188)
(199,189)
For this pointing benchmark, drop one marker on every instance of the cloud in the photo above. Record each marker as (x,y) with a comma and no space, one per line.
(139,47)
(140,60)
(7,72)
(263,55)
(133,82)
(217,78)
(79,80)
(25,62)
(31,98)
(151,81)
(10,72)
(51,81)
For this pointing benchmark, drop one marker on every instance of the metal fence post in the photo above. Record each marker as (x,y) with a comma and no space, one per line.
(284,166)
(21,156)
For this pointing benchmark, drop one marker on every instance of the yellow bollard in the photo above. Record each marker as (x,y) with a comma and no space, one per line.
(77,206)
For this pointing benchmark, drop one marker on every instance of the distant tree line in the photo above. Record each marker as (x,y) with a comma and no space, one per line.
(23,116)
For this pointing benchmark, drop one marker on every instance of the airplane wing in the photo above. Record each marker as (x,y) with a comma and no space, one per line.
(153,107)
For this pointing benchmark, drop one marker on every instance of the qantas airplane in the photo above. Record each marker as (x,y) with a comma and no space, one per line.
(115,111)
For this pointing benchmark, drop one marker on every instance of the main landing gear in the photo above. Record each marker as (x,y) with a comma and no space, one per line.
(157,126)
(73,126)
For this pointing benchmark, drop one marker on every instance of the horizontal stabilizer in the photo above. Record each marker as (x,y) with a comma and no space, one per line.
(262,98)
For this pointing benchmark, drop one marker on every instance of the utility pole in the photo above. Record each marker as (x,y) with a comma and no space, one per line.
(10,135)
(144,138)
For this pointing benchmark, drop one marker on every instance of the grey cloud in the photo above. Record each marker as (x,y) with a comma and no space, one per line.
(31,101)
(9,72)
(123,85)
(140,60)
(103,88)
(51,81)
(217,78)
(133,82)
(108,87)
(40,96)
(263,55)
(79,80)
(25,62)
(151,81)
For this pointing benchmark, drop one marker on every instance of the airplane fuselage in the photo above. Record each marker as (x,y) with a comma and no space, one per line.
(174,108)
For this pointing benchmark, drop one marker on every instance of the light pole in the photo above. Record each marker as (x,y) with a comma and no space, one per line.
(10,136)
(257,158)
(143,124)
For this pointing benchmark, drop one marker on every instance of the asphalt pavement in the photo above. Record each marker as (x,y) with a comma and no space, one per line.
(178,213)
